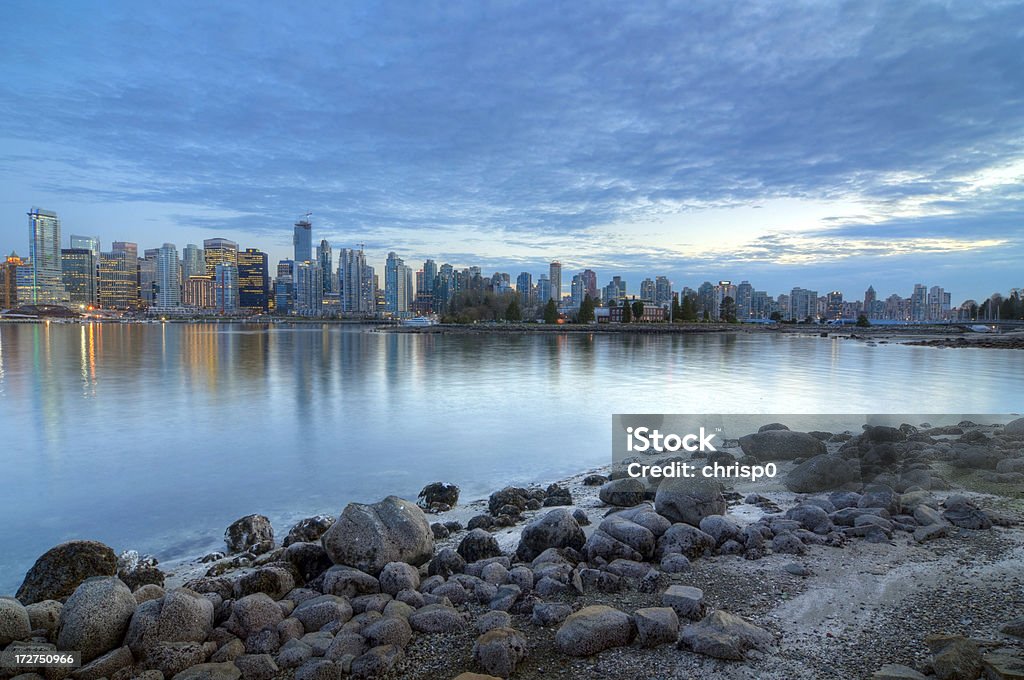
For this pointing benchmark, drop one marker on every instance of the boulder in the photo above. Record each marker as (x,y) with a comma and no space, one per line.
(388,631)
(895,671)
(592,630)
(251,531)
(181,615)
(367,537)
(349,582)
(811,517)
(257,667)
(96,616)
(724,636)
(954,657)
(963,513)
(640,539)
(276,581)
(308,530)
(721,528)
(478,545)
(316,613)
(309,560)
(210,671)
(398,576)
(253,613)
(436,618)
(689,500)
(45,615)
(105,666)
(656,625)
(781,445)
(136,571)
(437,494)
(625,492)
(498,651)
(1014,427)
(14,621)
(445,563)
(493,619)
(685,540)
(549,613)
(374,663)
(686,601)
(554,529)
(61,569)
(821,473)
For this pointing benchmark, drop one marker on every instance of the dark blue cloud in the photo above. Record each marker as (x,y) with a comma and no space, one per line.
(545,120)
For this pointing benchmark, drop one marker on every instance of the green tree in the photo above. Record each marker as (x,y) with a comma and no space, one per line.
(862,321)
(627,312)
(727,310)
(512,312)
(551,312)
(586,314)
(776,316)
(677,311)
(689,309)
(638,309)
(707,316)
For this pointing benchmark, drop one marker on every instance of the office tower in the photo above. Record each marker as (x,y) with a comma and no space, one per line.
(284,293)
(590,284)
(219,251)
(9,280)
(870,297)
(834,305)
(647,290)
(724,289)
(90,243)
(429,276)
(397,285)
(285,268)
(47,282)
(253,280)
(938,304)
(198,292)
(543,289)
(524,286)
(919,303)
(555,279)
(577,291)
(193,262)
(323,256)
(615,290)
(225,287)
(803,303)
(309,289)
(500,283)
(147,277)
(168,272)
(744,300)
(117,285)
(355,293)
(760,305)
(302,241)
(79,275)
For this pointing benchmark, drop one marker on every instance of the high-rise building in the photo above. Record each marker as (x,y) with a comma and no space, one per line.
(168,273)
(429,276)
(309,289)
(323,256)
(147,277)
(193,262)
(117,282)
(225,287)
(647,290)
(9,280)
(577,291)
(555,277)
(803,304)
(397,286)
(590,284)
(302,241)
(219,251)
(253,280)
(919,303)
(198,292)
(615,290)
(524,286)
(355,282)
(90,243)
(744,300)
(47,285)
(543,290)
(870,297)
(79,275)
(662,291)
(834,305)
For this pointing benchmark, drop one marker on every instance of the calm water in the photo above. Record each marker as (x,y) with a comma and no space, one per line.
(156,437)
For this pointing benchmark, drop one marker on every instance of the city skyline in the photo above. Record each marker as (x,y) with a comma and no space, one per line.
(782,143)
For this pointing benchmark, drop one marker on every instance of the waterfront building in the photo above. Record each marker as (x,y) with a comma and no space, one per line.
(309,289)
(9,280)
(90,243)
(225,287)
(198,292)
(168,277)
(219,251)
(744,301)
(118,278)
(284,293)
(577,291)
(429,277)
(253,280)
(803,304)
(524,286)
(555,277)
(919,303)
(79,269)
(647,290)
(615,290)
(543,290)
(323,256)
(193,262)
(355,283)
(662,292)
(397,286)
(302,241)
(834,308)
(147,278)
(47,282)
(724,289)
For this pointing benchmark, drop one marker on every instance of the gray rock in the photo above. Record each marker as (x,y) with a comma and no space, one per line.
(210,671)
(375,662)
(656,625)
(95,617)
(493,619)
(445,563)
(248,532)
(478,544)
(368,537)
(438,493)
(349,582)
(229,651)
(257,666)
(388,631)
(601,546)
(436,618)
(346,644)
(308,559)
(895,671)
(275,581)
(721,528)
(182,615)
(724,636)
(640,539)
(494,573)
(797,569)
(255,612)
(788,544)
(821,473)
(675,563)
(554,529)
(498,651)
(149,592)
(1014,427)
(781,445)
(686,540)
(522,577)
(592,630)
(105,666)
(320,669)
(61,569)
(965,514)
(44,615)
(689,500)
(316,613)
(931,532)
(1014,628)
(505,597)
(811,517)
(625,492)
(15,623)
(398,576)
(954,657)
(547,614)
(686,601)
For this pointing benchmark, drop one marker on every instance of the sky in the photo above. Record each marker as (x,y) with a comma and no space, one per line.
(827,145)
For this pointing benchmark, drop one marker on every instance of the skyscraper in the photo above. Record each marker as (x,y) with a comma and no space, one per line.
(397,285)
(309,288)
(198,292)
(647,290)
(578,291)
(524,286)
(323,256)
(117,283)
(47,284)
(803,303)
(90,243)
(355,282)
(219,251)
(168,271)
(555,277)
(147,277)
(543,290)
(9,280)
(193,262)
(225,287)
(615,290)
(744,300)
(429,276)
(302,241)
(919,302)
(590,284)
(79,275)
(253,280)
(869,302)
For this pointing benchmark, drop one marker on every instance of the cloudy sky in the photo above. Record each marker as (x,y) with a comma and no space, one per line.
(829,145)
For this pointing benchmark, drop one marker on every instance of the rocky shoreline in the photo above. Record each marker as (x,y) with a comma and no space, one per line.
(890,553)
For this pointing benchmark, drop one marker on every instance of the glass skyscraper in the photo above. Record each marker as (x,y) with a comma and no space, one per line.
(47,284)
